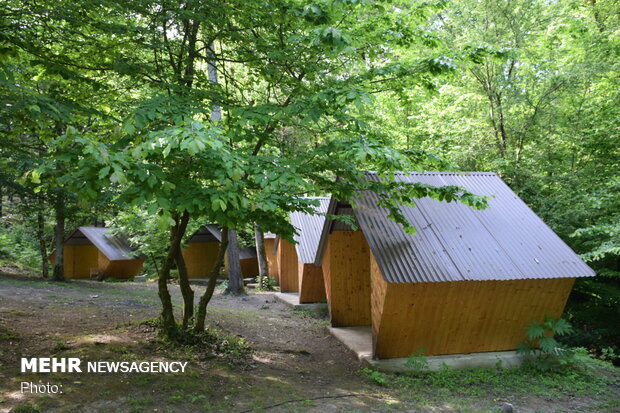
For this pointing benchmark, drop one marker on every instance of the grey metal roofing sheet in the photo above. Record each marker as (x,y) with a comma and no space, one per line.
(113,247)
(309,228)
(206,233)
(454,242)
(247,253)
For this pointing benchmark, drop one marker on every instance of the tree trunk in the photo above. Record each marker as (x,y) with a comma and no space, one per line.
(168,322)
(263,271)
(235,281)
(41,238)
(186,290)
(59,238)
(216,114)
(201,313)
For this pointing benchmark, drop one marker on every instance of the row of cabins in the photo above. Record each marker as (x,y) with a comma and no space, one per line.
(94,252)
(469,281)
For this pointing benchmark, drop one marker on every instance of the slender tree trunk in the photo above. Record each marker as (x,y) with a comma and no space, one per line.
(263,271)
(1,200)
(216,114)
(186,290)
(59,238)
(168,322)
(235,280)
(41,238)
(201,313)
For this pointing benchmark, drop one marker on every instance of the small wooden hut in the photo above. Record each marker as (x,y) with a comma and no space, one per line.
(271,255)
(310,283)
(468,281)
(91,252)
(201,250)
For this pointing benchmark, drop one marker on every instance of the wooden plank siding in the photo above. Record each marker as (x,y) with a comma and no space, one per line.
(377,297)
(287,261)
(199,258)
(78,260)
(272,258)
(249,267)
(311,285)
(123,268)
(460,317)
(346,272)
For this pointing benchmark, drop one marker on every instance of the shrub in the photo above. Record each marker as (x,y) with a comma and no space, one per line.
(545,352)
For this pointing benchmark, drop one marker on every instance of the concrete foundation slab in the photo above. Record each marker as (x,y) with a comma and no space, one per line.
(292,299)
(359,340)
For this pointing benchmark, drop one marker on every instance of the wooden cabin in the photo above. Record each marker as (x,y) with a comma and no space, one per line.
(310,283)
(469,281)
(271,255)
(201,250)
(91,252)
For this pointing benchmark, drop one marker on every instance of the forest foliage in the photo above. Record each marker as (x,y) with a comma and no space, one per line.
(107,113)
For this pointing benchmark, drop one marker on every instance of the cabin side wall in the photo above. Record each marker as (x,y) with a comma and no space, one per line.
(199,258)
(311,285)
(79,260)
(249,267)
(346,270)
(123,268)
(272,260)
(287,261)
(464,317)
(377,298)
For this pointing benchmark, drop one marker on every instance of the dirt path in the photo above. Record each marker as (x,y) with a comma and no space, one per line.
(295,364)
(294,356)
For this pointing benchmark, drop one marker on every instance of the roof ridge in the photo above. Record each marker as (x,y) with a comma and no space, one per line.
(445,173)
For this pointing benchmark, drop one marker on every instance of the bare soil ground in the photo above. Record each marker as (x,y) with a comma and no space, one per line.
(295,365)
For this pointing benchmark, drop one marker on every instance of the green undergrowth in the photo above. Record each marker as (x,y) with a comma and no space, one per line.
(209,344)
(592,380)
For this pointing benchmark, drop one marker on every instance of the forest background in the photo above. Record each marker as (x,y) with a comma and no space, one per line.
(152,116)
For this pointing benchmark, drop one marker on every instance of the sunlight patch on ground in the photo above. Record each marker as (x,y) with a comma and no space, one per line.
(100,338)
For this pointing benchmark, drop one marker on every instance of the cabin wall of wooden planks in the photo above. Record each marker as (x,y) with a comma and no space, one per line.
(122,268)
(461,317)
(346,272)
(311,285)
(272,258)
(287,261)
(199,258)
(78,260)
(249,267)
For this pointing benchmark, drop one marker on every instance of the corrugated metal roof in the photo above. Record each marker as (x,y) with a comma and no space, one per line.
(206,233)
(454,242)
(113,247)
(247,253)
(309,228)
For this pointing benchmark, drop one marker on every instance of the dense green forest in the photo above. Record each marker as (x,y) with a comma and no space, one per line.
(158,116)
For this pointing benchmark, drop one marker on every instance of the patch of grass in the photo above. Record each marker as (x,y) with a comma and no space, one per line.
(139,404)
(26,408)
(60,346)
(590,379)
(6,335)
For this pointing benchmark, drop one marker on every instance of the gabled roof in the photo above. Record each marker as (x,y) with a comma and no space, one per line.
(207,233)
(506,241)
(113,247)
(309,229)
